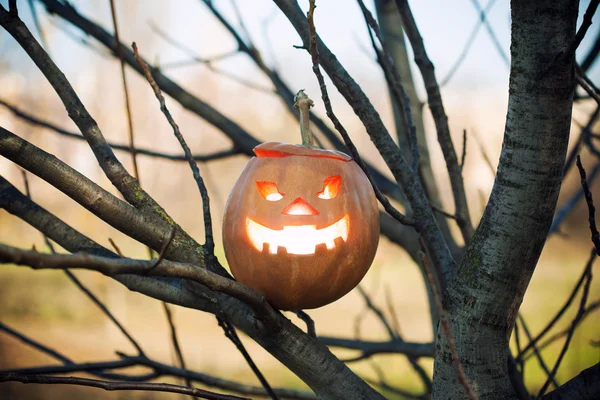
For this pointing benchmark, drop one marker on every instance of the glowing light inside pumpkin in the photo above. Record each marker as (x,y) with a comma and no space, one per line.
(331,189)
(299,207)
(269,191)
(301,239)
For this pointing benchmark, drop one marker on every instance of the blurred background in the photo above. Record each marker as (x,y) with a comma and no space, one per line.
(48,307)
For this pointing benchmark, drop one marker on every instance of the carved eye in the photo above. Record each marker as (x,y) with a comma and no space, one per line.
(269,191)
(331,188)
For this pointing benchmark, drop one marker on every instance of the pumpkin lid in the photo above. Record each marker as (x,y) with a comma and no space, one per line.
(279,149)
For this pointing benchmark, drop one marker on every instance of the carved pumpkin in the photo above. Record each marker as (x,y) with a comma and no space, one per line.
(301,225)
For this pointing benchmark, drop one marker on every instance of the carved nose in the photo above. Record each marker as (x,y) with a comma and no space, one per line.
(299,207)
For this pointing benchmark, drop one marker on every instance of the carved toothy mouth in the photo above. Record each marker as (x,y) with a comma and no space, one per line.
(297,239)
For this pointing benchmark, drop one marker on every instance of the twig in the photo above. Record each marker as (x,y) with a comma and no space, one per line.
(83,288)
(463,54)
(114,267)
(555,319)
(444,213)
(107,385)
(536,352)
(440,118)
(394,82)
(446,326)
(105,310)
(484,153)
(171,157)
(464,152)
(595,305)
(38,25)
(587,84)
(394,335)
(136,171)
(117,249)
(521,363)
(578,317)
(38,346)
(164,249)
(339,127)
(569,52)
(175,341)
(491,32)
(310,324)
(232,335)
(209,243)
(159,369)
(585,25)
(591,209)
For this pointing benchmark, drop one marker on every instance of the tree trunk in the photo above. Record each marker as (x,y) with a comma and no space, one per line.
(483,299)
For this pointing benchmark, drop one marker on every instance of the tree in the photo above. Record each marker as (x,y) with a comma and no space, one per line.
(475,291)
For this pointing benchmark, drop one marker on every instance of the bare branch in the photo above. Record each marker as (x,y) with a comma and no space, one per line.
(585,25)
(100,369)
(209,243)
(591,209)
(536,352)
(585,386)
(593,306)
(113,267)
(395,346)
(232,335)
(425,222)
(310,324)
(136,171)
(175,341)
(556,317)
(574,323)
(340,128)
(441,120)
(106,385)
(171,157)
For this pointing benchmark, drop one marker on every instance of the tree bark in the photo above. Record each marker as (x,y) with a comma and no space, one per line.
(483,299)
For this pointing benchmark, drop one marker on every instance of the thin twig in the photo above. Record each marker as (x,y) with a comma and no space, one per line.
(83,288)
(444,213)
(339,127)
(394,82)
(209,243)
(175,341)
(163,250)
(159,369)
(118,266)
(578,317)
(554,320)
(464,152)
(310,324)
(136,171)
(465,51)
(38,25)
(107,385)
(520,363)
(536,352)
(591,209)
(38,346)
(440,118)
(446,326)
(593,306)
(585,25)
(232,335)
(114,245)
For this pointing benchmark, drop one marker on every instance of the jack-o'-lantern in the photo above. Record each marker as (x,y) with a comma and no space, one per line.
(301,225)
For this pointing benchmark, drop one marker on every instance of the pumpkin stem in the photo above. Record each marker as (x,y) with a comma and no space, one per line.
(304,103)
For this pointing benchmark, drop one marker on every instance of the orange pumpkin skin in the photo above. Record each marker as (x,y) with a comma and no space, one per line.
(293,178)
